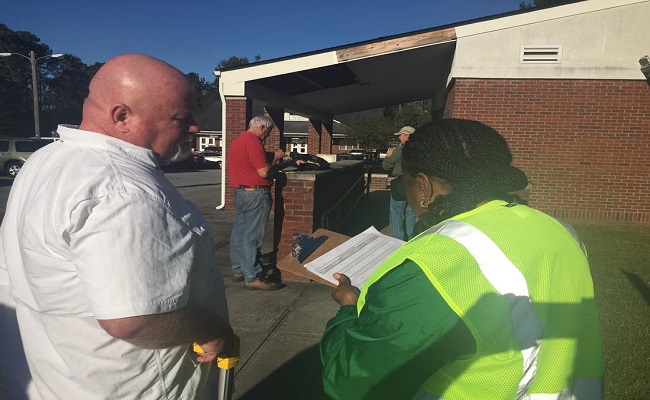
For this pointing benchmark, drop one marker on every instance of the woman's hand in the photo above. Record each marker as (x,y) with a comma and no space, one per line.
(345,294)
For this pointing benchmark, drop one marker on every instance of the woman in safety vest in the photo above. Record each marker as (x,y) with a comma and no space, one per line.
(490,300)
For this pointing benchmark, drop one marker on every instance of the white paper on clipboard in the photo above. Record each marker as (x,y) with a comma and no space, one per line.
(357,257)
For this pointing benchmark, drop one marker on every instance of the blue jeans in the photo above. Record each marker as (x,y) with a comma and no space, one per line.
(402,219)
(253,208)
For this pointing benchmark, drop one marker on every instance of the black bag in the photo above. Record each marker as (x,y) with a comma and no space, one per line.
(312,162)
(397,189)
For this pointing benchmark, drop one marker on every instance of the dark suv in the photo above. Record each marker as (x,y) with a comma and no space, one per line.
(14,152)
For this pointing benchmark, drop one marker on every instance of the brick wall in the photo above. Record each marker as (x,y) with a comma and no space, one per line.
(308,195)
(298,196)
(584,144)
(276,137)
(314,129)
(378,181)
(326,137)
(304,198)
(237,116)
(336,149)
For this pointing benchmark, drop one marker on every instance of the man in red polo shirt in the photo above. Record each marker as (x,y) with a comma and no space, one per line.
(251,174)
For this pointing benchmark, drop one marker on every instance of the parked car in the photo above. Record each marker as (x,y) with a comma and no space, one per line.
(212,151)
(15,151)
(213,161)
(194,161)
(213,157)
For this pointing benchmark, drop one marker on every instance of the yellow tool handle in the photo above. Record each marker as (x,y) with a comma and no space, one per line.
(228,362)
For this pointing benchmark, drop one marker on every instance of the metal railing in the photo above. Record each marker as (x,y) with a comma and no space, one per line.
(326,218)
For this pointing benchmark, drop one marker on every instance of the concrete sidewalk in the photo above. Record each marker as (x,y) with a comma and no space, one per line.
(280,330)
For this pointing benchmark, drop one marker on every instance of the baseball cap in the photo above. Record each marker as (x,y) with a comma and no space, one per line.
(406,129)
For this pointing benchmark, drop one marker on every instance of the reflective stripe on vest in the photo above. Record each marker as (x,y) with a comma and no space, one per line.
(527,328)
(583,389)
(509,282)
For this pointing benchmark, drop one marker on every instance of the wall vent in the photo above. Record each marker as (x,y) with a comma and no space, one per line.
(540,54)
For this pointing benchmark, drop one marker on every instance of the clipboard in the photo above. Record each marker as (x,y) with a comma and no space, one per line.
(291,264)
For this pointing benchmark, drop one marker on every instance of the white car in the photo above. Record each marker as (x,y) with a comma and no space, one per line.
(213,160)
(212,156)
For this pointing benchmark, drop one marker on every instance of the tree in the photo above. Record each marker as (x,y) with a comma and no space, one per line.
(16,99)
(372,133)
(378,133)
(235,62)
(91,70)
(206,92)
(65,89)
(414,114)
(62,85)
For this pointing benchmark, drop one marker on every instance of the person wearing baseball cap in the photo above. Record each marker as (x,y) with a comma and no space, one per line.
(402,219)
(406,130)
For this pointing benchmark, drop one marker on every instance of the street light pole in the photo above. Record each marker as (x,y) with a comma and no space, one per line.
(37,119)
(32,60)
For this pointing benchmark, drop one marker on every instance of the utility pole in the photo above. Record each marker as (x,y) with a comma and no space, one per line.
(37,119)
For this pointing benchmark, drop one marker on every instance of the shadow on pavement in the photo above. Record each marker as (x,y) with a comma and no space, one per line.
(298,379)
(6,181)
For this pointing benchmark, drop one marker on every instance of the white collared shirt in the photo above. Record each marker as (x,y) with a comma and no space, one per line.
(94,230)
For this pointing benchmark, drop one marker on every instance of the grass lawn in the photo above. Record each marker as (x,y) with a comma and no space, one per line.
(619,256)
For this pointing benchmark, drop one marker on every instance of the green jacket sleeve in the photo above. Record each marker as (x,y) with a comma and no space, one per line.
(404,333)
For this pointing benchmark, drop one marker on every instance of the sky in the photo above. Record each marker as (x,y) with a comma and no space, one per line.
(194,35)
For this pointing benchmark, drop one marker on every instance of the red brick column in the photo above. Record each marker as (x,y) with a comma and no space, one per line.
(297,204)
(314,128)
(237,117)
(276,138)
(326,137)
(308,201)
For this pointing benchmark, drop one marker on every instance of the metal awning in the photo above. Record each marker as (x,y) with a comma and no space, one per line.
(334,83)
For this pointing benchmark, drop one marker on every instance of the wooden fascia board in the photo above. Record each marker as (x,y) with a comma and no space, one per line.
(399,44)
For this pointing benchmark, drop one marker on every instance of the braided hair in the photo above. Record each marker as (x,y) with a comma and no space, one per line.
(471,156)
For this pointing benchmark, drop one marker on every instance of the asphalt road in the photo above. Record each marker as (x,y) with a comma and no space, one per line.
(5,187)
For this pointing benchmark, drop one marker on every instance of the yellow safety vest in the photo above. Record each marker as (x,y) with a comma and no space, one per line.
(521,283)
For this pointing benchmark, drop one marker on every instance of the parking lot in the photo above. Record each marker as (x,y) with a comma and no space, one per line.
(5,187)
(203,187)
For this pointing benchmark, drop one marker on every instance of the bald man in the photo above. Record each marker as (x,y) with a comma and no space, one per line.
(111,269)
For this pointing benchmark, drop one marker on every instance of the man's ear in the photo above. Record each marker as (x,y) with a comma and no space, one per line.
(120,115)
